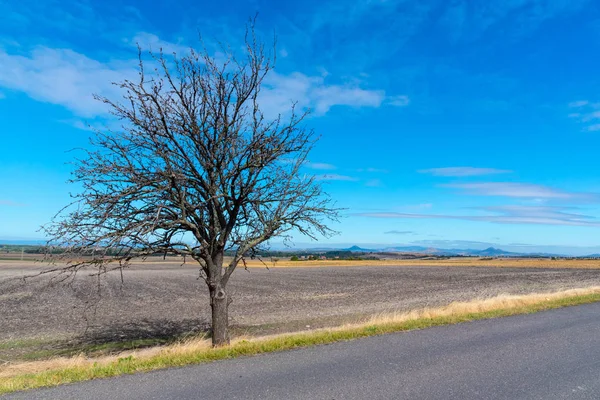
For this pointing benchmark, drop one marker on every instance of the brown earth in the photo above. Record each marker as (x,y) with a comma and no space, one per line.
(165,299)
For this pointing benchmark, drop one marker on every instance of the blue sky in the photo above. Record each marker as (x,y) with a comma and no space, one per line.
(443,123)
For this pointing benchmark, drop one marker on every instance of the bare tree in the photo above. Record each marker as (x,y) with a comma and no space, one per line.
(195,170)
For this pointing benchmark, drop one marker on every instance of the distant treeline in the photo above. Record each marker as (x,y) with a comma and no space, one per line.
(25,248)
(300,255)
(38,249)
(315,255)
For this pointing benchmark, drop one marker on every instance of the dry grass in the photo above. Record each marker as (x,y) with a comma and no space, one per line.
(502,302)
(451,262)
(63,370)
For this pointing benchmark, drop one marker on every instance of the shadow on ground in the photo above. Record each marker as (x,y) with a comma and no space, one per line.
(109,339)
(158,330)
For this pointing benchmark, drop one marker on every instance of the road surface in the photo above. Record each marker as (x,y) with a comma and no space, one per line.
(548,355)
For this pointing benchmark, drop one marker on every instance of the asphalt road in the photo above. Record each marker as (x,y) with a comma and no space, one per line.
(549,355)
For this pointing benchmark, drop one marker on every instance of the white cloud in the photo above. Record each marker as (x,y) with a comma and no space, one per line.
(395,232)
(316,165)
(63,77)
(377,170)
(519,190)
(93,124)
(374,183)
(335,95)
(373,170)
(335,177)
(578,103)
(505,215)
(280,91)
(398,101)
(463,171)
(10,203)
(77,123)
(590,116)
(593,128)
(422,206)
(587,114)
(149,41)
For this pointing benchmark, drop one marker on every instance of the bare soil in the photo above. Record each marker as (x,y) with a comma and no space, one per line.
(162,300)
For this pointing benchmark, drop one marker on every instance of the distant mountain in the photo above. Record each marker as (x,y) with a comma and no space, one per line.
(489,252)
(356,249)
(492,252)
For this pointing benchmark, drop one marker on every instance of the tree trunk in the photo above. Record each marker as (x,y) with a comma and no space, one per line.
(219,301)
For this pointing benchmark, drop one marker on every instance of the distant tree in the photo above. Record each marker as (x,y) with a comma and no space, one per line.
(294,258)
(196,169)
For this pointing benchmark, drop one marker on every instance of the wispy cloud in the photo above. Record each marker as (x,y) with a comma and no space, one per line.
(63,77)
(463,171)
(150,41)
(77,123)
(68,78)
(539,212)
(374,183)
(578,103)
(394,232)
(586,113)
(10,203)
(311,165)
(281,91)
(398,101)
(506,215)
(457,22)
(520,190)
(335,177)
(82,18)
(319,166)
(373,170)
(468,21)
(422,206)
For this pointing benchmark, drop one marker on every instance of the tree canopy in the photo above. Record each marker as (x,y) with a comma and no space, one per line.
(195,169)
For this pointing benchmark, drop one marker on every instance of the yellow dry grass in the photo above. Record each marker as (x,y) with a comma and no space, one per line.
(501,302)
(192,347)
(451,262)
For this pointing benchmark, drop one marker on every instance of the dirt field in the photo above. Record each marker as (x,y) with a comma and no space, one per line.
(163,299)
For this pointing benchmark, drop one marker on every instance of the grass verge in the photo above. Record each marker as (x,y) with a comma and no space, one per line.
(74,369)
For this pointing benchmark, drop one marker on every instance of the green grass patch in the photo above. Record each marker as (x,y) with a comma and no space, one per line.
(131,364)
(113,347)
(43,349)
(20,343)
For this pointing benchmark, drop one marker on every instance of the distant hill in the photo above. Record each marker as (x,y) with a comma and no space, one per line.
(356,249)
(489,252)
(492,252)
